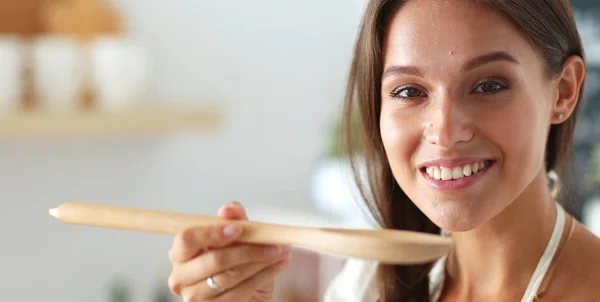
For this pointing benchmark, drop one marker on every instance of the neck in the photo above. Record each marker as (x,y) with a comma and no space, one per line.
(510,245)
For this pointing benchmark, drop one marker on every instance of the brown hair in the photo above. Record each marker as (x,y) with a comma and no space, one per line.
(551,29)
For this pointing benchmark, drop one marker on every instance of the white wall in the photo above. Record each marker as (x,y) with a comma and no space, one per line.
(278,69)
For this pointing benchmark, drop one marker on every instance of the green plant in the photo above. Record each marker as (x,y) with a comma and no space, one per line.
(337,144)
(596,164)
(120,290)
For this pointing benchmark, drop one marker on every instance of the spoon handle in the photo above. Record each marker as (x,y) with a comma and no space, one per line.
(169,223)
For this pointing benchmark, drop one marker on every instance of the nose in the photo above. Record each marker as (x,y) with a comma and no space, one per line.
(447,123)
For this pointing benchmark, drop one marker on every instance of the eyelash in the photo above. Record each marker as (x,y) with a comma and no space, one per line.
(499,84)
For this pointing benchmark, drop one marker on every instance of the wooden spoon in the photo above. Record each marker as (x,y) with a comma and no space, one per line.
(385,246)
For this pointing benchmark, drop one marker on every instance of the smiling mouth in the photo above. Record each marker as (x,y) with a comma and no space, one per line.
(457,172)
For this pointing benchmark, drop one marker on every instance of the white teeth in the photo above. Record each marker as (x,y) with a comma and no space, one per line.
(446,173)
(457,173)
(467,170)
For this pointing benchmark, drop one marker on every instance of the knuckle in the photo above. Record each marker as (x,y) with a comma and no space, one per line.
(172,255)
(174,285)
(187,236)
(233,272)
(252,253)
(217,259)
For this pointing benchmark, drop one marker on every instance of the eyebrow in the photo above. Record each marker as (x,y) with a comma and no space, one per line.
(397,69)
(489,58)
(497,56)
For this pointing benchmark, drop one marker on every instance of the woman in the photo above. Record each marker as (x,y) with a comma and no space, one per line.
(466,106)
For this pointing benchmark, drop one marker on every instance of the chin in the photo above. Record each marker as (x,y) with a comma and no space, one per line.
(456,216)
(456,225)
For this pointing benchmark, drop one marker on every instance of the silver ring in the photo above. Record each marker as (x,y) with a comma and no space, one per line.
(216,287)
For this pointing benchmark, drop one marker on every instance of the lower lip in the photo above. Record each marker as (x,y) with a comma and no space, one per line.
(457,184)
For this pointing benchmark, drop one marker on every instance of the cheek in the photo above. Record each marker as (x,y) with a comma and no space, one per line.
(519,132)
(400,139)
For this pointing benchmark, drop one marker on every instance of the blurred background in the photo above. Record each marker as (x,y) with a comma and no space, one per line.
(184,105)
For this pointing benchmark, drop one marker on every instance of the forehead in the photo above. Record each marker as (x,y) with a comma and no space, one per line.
(426,31)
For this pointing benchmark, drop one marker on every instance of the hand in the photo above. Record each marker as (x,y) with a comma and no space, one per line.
(246,271)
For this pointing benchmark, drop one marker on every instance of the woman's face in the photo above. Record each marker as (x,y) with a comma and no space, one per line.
(466,109)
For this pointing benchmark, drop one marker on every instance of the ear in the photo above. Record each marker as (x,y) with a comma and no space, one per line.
(568,89)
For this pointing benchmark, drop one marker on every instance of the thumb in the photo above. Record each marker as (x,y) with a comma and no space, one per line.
(233,210)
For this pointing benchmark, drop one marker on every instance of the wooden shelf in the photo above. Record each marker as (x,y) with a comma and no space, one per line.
(140,121)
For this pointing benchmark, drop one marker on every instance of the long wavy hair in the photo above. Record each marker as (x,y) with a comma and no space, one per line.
(548,24)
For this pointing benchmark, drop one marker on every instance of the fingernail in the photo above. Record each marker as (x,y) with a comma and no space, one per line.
(272,251)
(231,230)
(234,204)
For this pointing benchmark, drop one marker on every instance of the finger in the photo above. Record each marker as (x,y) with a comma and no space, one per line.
(191,241)
(215,261)
(227,280)
(249,287)
(233,210)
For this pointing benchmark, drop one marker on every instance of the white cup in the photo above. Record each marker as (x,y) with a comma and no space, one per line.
(59,71)
(120,72)
(11,72)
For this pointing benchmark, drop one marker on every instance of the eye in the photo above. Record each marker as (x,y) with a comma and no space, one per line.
(490,86)
(407,93)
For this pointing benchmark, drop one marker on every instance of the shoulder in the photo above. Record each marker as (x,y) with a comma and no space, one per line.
(585,250)
(577,277)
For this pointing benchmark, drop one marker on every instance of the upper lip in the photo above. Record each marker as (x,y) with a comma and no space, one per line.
(452,162)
